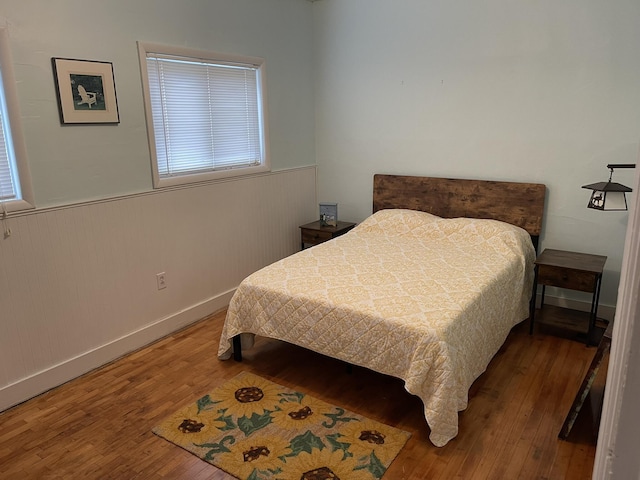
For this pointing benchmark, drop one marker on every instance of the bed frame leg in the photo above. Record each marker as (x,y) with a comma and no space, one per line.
(237,348)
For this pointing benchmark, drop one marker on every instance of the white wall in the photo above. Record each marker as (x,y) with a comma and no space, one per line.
(525,91)
(77,163)
(78,283)
(77,275)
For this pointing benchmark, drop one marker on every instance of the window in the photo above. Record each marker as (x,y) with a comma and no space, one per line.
(205,114)
(15,181)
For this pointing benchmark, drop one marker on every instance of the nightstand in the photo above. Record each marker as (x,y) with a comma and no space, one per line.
(314,233)
(573,271)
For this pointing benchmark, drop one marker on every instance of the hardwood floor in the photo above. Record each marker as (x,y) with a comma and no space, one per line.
(99,426)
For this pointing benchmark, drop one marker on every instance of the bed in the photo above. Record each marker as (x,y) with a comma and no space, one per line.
(426,289)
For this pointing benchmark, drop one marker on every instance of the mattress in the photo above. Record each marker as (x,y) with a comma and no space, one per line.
(405,293)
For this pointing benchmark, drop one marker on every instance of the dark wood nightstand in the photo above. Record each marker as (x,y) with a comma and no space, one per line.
(571,270)
(314,233)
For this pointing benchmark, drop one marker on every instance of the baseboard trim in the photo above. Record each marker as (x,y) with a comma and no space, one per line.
(52,377)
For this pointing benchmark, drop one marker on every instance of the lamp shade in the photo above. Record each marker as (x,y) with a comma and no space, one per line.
(608,196)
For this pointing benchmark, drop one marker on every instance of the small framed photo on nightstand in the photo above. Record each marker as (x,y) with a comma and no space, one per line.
(329,214)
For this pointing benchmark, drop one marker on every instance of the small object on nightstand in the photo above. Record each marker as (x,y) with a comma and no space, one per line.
(571,270)
(329,214)
(314,233)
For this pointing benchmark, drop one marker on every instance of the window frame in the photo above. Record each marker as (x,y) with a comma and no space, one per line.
(19,168)
(159,181)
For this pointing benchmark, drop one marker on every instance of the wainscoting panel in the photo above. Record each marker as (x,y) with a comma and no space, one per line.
(78,283)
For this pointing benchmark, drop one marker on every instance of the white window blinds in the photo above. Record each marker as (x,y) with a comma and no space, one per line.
(9,182)
(206,115)
(15,180)
(9,189)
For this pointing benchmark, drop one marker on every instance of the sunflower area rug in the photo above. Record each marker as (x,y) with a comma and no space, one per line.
(255,429)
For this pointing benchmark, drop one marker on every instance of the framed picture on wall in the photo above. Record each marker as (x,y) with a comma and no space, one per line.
(86,91)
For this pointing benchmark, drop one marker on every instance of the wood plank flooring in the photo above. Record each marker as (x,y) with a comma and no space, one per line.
(99,426)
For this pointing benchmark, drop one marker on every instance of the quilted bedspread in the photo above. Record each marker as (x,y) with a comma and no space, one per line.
(405,293)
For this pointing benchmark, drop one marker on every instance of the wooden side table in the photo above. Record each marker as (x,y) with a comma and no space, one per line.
(314,233)
(571,270)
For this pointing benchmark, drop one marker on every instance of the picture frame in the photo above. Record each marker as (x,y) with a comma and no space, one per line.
(329,214)
(86,91)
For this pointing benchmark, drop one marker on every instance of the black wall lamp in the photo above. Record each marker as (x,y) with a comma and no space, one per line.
(609,195)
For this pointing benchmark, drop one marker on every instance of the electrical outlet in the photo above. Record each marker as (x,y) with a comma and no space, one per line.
(161,279)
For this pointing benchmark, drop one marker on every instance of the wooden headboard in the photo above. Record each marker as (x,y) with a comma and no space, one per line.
(520,204)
